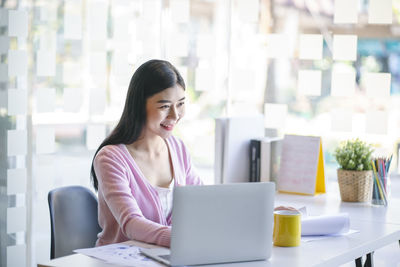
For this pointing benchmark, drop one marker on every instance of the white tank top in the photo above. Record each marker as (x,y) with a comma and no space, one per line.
(165,195)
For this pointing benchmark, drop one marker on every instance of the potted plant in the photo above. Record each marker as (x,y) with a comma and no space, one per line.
(355,170)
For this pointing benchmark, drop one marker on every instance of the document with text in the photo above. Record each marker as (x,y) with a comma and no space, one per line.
(120,254)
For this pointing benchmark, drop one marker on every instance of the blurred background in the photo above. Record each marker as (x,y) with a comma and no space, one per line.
(329,68)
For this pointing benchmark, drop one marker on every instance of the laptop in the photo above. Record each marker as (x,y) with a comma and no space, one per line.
(219,224)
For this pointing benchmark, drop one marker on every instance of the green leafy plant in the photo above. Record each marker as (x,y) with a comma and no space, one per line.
(354,155)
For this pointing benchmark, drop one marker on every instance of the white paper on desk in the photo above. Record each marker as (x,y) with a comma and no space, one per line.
(310,238)
(303,211)
(325,224)
(121,254)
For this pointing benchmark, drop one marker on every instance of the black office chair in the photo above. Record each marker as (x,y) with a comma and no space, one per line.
(73,218)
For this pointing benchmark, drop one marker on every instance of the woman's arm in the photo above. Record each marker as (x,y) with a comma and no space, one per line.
(149,232)
(114,186)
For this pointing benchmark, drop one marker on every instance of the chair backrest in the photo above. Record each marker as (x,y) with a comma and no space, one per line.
(73,218)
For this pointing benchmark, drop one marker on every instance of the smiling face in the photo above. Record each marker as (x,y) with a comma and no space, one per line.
(164,110)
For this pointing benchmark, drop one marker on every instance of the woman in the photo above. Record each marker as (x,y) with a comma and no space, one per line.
(138,164)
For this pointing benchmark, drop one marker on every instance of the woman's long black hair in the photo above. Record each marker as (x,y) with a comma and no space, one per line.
(150,78)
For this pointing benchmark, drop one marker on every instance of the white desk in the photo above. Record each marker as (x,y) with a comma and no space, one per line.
(327,203)
(328,252)
(331,203)
(378,226)
(83,260)
(338,250)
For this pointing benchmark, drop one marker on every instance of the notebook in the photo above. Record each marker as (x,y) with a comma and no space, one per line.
(219,224)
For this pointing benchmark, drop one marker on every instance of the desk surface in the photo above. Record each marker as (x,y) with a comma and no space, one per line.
(83,260)
(331,203)
(378,226)
(327,252)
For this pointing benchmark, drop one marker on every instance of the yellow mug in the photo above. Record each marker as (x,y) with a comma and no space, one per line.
(287,228)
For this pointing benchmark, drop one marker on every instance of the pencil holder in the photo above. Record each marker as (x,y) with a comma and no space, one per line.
(381,188)
(355,186)
(377,201)
(381,191)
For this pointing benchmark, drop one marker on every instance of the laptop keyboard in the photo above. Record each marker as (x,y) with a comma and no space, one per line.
(165,257)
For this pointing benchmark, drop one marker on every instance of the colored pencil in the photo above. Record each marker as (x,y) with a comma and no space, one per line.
(380,167)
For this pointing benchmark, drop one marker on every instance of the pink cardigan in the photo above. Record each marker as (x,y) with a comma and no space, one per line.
(129,206)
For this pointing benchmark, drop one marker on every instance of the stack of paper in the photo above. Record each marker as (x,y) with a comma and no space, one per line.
(325,224)
(119,254)
(320,227)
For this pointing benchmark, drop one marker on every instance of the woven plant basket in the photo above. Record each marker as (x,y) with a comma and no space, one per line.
(355,186)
